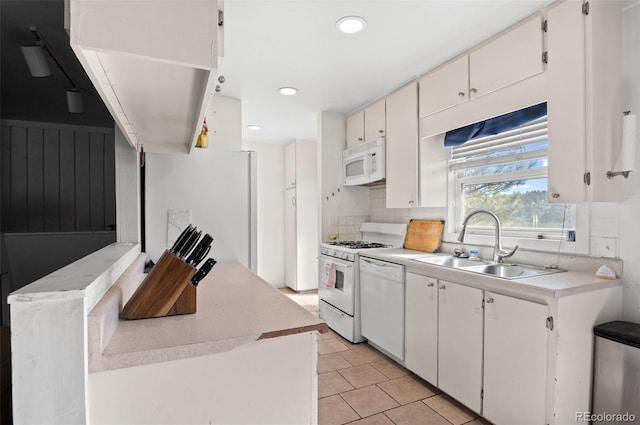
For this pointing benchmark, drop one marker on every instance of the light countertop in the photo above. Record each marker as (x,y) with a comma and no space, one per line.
(554,285)
(234,307)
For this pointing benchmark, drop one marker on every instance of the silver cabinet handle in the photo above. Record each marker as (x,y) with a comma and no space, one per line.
(430,284)
(293,201)
(443,287)
(555,195)
(360,139)
(473,91)
(461,94)
(381,131)
(489,300)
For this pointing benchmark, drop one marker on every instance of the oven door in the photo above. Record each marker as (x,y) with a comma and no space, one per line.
(342,295)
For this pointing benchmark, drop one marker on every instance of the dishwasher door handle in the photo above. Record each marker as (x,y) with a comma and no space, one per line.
(381,264)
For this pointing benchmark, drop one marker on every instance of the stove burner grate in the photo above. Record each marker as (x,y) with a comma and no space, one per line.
(358,244)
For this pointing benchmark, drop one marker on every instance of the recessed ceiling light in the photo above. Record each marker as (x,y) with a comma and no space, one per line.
(351,24)
(288,91)
(254,127)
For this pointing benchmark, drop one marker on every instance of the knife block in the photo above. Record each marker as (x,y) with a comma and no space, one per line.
(166,291)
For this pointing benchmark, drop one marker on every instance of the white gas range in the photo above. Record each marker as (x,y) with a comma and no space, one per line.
(339,280)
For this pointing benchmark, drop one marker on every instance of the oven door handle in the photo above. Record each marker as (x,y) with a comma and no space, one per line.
(342,263)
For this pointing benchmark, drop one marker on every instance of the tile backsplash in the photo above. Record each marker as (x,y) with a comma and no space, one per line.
(346,227)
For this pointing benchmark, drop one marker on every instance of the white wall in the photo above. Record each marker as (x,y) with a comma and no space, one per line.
(336,200)
(629,242)
(270,221)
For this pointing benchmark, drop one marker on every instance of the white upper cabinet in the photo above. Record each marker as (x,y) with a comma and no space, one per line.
(366,124)
(585,101)
(375,120)
(290,165)
(355,129)
(157,84)
(402,147)
(511,57)
(445,87)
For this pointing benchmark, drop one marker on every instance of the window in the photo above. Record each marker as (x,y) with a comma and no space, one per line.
(507,174)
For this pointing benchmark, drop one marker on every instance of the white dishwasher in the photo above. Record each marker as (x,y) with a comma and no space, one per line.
(382,305)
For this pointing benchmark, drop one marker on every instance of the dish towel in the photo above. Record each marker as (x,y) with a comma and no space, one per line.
(330,274)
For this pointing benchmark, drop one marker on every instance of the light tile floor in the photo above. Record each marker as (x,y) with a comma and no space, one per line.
(359,385)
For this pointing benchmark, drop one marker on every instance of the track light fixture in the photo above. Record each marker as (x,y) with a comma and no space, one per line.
(38,65)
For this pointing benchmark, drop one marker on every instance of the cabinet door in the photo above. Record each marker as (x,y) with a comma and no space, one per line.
(421,326)
(290,165)
(355,129)
(375,120)
(291,260)
(445,87)
(585,101)
(460,319)
(566,103)
(515,359)
(402,148)
(510,58)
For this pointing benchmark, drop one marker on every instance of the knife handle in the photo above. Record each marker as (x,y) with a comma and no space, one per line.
(203,271)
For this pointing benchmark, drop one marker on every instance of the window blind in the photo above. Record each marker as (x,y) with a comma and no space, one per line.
(526,142)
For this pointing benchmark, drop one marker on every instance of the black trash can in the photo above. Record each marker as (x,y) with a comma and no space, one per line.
(616,377)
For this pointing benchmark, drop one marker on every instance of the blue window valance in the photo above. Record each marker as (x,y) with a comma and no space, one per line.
(495,125)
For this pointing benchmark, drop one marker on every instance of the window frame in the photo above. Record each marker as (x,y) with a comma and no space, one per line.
(553,240)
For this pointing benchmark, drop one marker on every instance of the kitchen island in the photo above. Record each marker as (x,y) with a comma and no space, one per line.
(248,355)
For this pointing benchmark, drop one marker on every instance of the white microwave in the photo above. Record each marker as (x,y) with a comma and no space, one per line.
(364,164)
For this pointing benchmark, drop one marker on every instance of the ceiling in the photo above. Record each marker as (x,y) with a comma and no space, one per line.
(270,44)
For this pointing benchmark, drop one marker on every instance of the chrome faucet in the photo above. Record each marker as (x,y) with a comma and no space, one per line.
(498,253)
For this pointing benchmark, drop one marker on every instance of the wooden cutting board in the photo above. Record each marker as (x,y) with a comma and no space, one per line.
(424,235)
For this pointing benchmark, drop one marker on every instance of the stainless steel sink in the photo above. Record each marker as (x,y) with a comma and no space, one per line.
(511,271)
(505,271)
(449,261)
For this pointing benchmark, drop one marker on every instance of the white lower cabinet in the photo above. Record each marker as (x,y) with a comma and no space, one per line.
(515,360)
(512,360)
(491,360)
(460,320)
(443,336)
(421,326)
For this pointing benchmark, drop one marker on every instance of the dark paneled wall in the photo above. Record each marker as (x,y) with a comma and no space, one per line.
(57,178)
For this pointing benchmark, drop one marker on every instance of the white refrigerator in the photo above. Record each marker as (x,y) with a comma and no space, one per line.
(217,188)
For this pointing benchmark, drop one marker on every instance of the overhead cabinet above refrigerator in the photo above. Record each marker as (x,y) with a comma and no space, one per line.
(154,64)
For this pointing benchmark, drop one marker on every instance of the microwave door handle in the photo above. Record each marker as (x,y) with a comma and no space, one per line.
(367,164)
